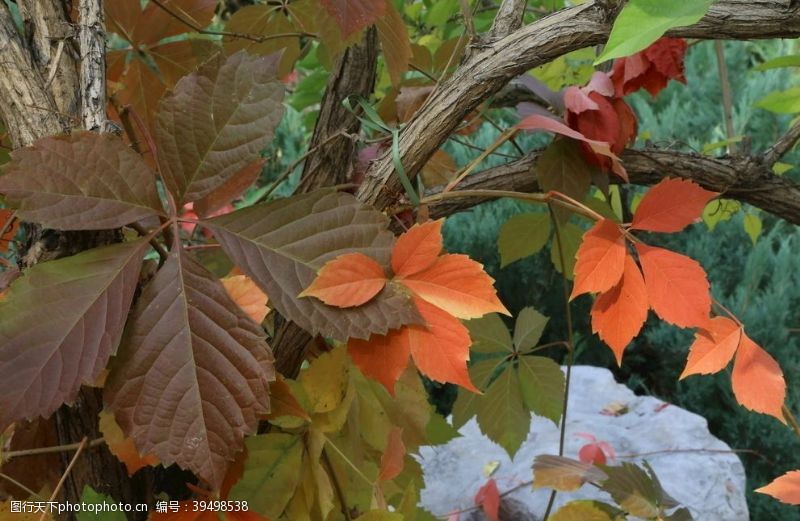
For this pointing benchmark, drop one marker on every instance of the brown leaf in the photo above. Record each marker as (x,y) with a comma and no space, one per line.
(83,181)
(216,121)
(395,43)
(177,59)
(264,20)
(192,376)
(354,15)
(233,188)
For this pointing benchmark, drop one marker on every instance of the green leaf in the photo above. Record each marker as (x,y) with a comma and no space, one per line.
(522,235)
(271,473)
(571,237)
(752,226)
(782,61)
(489,334)
(783,102)
(105,509)
(216,121)
(781,168)
(642,22)
(501,415)
(529,328)
(281,245)
(467,402)
(193,357)
(561,168)
(81,181)
(632,489)
(583,510)
(720,210)
(59,324)
(542,384)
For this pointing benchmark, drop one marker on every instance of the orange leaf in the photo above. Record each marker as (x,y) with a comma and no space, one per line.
(757,380)
(458,285)
(677,286)
(713,347)
(122,447)
(671,206)
(417,248)
(349,280)
(440,349)
(282,402)
(383,357)
(488,498)
(618,314)
(247,295)
(785,489)
(601,259)
(392,457)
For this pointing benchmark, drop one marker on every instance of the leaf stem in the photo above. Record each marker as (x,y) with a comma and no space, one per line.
(502,138)
(522,196)
(66,473)
(20,485)
(162,253)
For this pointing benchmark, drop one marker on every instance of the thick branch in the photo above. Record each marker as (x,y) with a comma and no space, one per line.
(486,71)
(749,180)
(92,38)
(508,18)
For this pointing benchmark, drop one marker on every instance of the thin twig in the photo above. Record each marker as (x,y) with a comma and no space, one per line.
(162,253)
(467,144)
(727,96)
(20,485)
(49,450)
(54,64)
(66,473)
(466,13)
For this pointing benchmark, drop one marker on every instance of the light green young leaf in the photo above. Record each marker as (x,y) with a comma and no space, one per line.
(792,60)
(782,102)
(753,226)
(522,235)
(529,328)
(642,22)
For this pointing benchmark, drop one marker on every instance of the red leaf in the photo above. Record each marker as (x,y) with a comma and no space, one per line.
(347,281)
(233,188)
(592,453)
(671,205)
(10,228)
(713,347)
(392,457)
(458,285)
(601,259)
(651,68)
(757,380)
(488,497)
(353,15)
(577,101)
(785,489)
(667,55)
(417,248)
(619,314)
(383,357)
(677,286)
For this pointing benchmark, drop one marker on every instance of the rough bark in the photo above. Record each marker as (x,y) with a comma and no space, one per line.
(92,36)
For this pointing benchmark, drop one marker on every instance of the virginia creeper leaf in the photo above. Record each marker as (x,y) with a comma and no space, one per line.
(120,446)
(785,489)
(502,415)
(488,498)
(393,455)
(216,121)
(633,490)
(490,335)
(382,357)
(757,380)
(418,248)
(713,347)
(229,191)
(350,280)
(671,205)
(560,168)
(282,244)
(354,15)
(542,383)
(457,285)
(619,314)
(85,300)
(104,509)
(192,376)
(249,297)
(569,239)
(82,181)
(265,21)
(600,259)
(583,510)
(395,43)
(523,235)
(677,287)
(467,403)
(564,474)
(529,328)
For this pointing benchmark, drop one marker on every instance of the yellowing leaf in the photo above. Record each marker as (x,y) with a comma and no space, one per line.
(417,249)
(122,447)
(247,296)
(393,455)
(563,474)
(581,511)
(785,489)
(757,380)
(600,259)
(350,280)
(713,347)
(670,206)
(752,226)
(326,380)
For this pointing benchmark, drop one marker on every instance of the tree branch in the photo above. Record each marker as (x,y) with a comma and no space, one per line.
(508,18)
(92,37)
(784,144)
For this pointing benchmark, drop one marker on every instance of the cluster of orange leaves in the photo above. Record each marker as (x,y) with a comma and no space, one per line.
(676,288)
(443,288)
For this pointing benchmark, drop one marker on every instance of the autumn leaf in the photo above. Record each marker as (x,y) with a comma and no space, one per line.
(247,295)
(9,229)
(713,347)
(417,249)
(354,15)
(382,357)
(601,259)
(677,286)
(785,489)
(671,205)
(393,455)
(120,446)
(757,380)
(488,498)
(564,474)
(282,402)
(619,314)
(350,280)
(651,68)
(395,43)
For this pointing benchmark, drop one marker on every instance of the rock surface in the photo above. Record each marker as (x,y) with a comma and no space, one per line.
(710,483)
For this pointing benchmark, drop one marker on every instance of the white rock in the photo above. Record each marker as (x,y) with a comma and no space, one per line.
(710,484)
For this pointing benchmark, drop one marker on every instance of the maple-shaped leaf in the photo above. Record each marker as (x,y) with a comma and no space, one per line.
(757,380)
(9,229)
(350,280)
(785,489)
(418,248)
(248,296)
(395,43)
(488,498)
(120,446)
(85,300)
(501,412)
(281,245)
(263,20)
(392,459)
(216,121)
(382,357)
(456,284)
(564,474)
(671,205)
(677,286)
(83,181)
(713,347)
(600,259)
(154,23)
(634,490)
(354,15)
(619,314)
(192,356)
(651,68)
